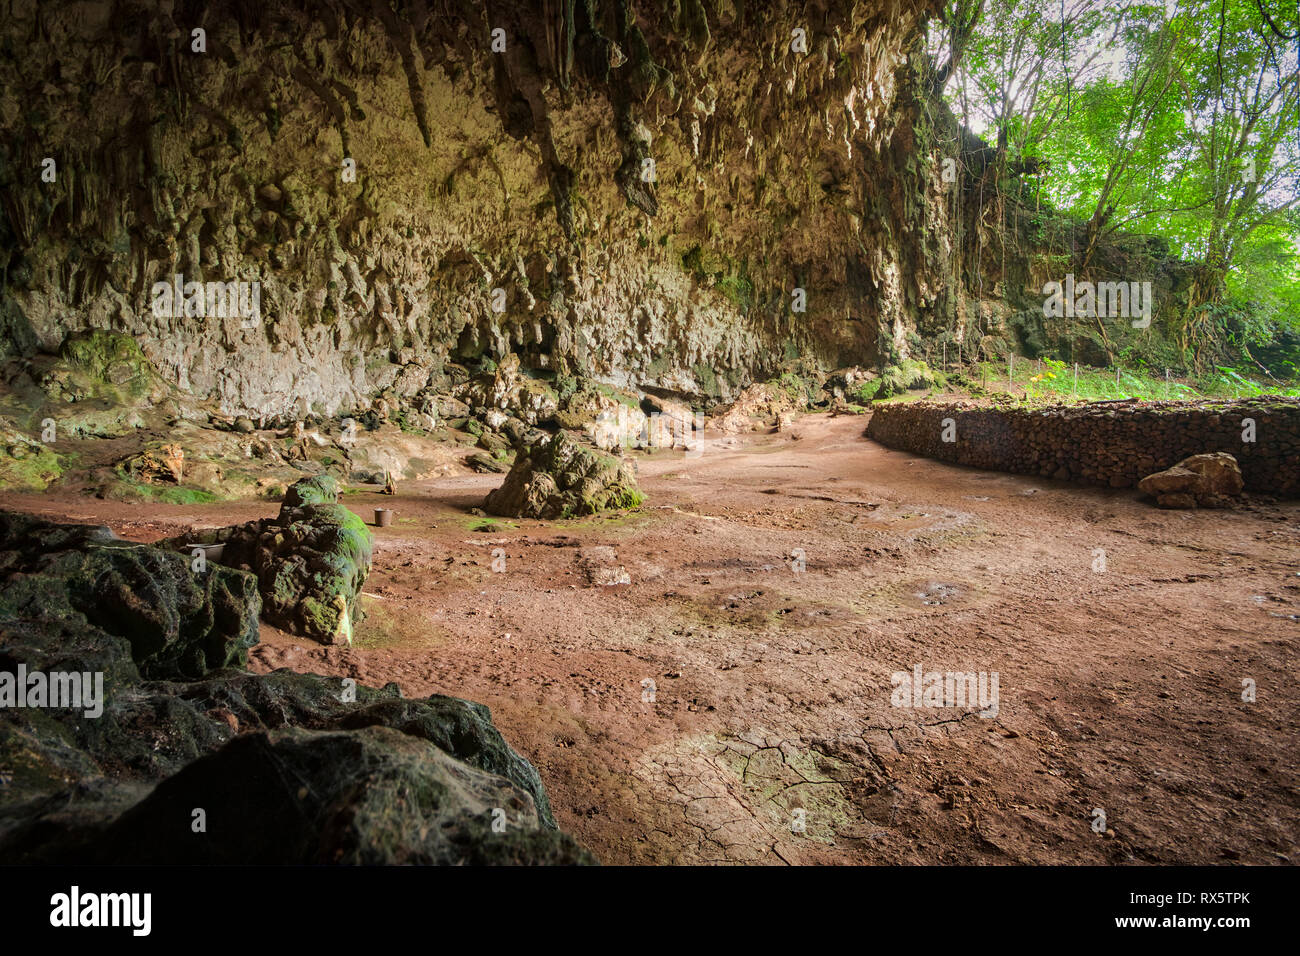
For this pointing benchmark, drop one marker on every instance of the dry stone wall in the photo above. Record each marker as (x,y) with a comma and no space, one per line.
(1105,443)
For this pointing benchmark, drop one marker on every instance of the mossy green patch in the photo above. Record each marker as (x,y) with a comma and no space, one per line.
(317,490)
(128,489)
(34,468)
(613,498)
(704,375)
(863,393)
(99,363)
(908,374)
(738,290)
(618,395)
(792,388)
(185,496)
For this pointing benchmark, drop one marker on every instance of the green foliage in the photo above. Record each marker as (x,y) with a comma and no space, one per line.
(693,262)
(908,374)
(1175,120)
(1054,381)
(864,393)
(739,290)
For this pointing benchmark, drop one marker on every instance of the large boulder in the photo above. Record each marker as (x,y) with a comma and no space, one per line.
(317,490)
(618,426)
(310,561)
(760,406)
(176,622)
(609,416)
(623,422)
(1206,481)
(558,478)
(161,461)
(369,796)
(285,768)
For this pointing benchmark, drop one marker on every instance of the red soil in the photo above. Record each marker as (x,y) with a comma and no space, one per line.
(1119,690)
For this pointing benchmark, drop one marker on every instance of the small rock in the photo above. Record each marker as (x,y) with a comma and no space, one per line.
(1209,481)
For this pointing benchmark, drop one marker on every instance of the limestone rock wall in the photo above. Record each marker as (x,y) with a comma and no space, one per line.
(788,145)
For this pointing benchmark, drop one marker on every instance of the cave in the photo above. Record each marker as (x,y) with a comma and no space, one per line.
(574,432)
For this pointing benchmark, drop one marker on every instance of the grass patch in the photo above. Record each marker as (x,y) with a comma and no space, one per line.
(1049,380)
(618,395)
(170,495)
(864,393)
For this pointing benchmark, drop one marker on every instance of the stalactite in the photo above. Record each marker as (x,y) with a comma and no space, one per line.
(402,38)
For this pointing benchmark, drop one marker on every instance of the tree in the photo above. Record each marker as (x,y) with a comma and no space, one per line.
(1242,95)
(1178,118)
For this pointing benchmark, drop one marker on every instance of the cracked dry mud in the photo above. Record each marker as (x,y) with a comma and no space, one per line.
(771,689)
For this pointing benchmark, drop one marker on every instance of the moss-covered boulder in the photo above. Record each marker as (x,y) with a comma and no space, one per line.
(419,805)
(102,363)
(311,560)
(317,490)
(25,464)
(175,619)
(588,401)
(376,778)
(558,478)
(101,385)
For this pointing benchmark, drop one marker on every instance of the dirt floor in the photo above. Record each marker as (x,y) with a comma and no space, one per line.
(1120,670)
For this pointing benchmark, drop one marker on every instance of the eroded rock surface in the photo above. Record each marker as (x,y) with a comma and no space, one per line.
(274,761)
(310,560)
(475,171)
(74,578)
(1204,481)
(557,477)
